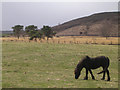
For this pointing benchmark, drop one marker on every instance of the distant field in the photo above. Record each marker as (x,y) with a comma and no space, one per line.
(73,39)
(51,65)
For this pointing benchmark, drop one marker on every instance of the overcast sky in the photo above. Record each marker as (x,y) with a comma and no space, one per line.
(50,13)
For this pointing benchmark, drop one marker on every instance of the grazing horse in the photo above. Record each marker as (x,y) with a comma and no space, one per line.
(93,63)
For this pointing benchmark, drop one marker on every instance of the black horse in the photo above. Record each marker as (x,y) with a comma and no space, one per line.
(93,63)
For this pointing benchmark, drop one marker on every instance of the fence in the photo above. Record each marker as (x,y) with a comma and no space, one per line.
(71,40)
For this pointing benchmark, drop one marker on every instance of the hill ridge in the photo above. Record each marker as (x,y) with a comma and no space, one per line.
(93,25)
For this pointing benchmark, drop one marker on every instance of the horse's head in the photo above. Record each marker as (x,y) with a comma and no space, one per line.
(77,73)
(79,67)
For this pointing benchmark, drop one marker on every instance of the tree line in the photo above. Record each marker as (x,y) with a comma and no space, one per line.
(33,32)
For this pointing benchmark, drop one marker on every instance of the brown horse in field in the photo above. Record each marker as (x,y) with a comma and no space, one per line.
(93,63)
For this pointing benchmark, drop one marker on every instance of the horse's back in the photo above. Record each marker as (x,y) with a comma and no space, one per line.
(97,62)
(101,60)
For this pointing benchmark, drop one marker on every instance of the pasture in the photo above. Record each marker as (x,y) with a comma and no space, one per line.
(51,65)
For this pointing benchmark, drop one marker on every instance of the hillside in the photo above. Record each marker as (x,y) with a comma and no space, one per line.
(100,24)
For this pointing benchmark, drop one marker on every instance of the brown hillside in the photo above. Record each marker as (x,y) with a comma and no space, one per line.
(101,24)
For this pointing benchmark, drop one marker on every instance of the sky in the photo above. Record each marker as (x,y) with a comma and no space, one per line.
(49,13)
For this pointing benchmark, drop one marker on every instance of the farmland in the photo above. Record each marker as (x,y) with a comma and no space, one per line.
(51,65)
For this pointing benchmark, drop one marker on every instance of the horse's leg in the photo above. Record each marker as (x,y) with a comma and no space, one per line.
(86,77)
(108,75)
(92,74)
(103,76)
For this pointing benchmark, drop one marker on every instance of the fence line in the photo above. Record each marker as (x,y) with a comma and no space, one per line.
(70,40)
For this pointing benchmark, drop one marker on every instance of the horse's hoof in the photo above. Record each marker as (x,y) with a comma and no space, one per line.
(85,78)
(93,78)
(102,79)
(108,80)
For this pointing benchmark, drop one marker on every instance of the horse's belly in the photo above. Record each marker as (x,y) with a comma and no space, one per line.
(95,67)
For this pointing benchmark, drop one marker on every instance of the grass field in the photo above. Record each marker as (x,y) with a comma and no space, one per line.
(47,65)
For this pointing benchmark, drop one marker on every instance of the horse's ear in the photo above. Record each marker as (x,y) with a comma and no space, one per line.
(87,57)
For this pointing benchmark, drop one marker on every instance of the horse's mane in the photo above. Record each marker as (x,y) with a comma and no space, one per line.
(79,64)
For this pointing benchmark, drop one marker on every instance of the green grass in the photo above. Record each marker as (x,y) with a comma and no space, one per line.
(36,65)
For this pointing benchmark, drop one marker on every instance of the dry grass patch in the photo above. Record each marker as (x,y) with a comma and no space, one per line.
(72,39)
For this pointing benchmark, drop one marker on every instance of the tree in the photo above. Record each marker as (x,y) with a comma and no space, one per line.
(29,28)
(22,33)
(17,29)
(48,32)
(39,35)
(34,34)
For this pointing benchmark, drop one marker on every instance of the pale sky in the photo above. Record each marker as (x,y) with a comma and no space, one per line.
(50,13)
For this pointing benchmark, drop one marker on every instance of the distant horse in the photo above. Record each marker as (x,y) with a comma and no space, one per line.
(93,63)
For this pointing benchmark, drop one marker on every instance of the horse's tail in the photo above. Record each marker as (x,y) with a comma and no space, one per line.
(105,69)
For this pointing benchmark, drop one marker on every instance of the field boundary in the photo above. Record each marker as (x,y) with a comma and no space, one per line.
(70,40)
